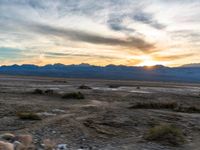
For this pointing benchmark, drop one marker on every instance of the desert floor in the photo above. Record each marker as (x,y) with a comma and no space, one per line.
(106,118)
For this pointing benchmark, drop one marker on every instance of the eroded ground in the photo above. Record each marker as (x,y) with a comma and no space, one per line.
(103,120)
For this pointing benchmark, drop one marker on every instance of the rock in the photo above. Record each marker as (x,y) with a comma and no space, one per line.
(49,144)
(8,137)
(58,110)
(25,139)
(62,147)
(18,145)
(46,114)
(6,146)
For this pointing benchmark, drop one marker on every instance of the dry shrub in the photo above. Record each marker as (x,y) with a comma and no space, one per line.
(84,87)
(38,91)
(28,116)
(73,95)
(166,134)
(155,105)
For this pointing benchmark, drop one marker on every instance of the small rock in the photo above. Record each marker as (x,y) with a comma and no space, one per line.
(7,136)
(62,147)
(58,110)
(6,146)
(46,114)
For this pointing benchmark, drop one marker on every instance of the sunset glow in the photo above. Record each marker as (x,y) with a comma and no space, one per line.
(127,32)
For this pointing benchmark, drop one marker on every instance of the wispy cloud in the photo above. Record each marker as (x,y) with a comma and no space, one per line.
(128,27)
(148,18)
(65,55)
(81,36)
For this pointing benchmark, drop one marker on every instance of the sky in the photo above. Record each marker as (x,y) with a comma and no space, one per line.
(100,32)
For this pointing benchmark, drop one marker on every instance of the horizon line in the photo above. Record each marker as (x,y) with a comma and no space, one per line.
(142,66)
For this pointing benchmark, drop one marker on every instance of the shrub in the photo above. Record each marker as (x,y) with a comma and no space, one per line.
(28,116)
(84,87)
(113,86)
(166,105)
(59,81)
(155,105)
(138,87)
(73,95)
(7,136)
(166,134)
(190,109)
(49,92)
(38,91)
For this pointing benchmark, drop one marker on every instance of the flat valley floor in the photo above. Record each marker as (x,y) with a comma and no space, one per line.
(115,115)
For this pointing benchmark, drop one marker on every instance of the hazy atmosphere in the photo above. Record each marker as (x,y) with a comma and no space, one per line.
(99,75)
(127,32)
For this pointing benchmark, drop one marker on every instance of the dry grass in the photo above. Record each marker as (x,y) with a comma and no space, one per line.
(73,95)
(166,105)
(113,86)
(38,91)
(166,134)
(155,105)
(189,109)
(28,116)
(84,87)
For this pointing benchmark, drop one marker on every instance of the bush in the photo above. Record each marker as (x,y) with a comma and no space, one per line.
(166,105)
(189,109)
(49,92)
(84,87)
(138,87)
(28,116)
(113,86)
(74,95)
(38,91)
(166,134)
(155,105)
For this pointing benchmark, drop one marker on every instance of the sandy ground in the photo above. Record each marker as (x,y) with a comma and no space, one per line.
(103,120)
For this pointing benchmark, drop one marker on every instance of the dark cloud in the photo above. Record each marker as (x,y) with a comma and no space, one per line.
(115,22)
(147,18)
(81,36)
(119,27)
(63,55)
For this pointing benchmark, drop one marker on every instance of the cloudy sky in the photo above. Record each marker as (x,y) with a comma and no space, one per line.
(100,32)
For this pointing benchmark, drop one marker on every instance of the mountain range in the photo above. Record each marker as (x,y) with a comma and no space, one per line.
(186,73)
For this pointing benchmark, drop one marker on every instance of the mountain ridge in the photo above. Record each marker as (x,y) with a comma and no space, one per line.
(113,72)
(191,65)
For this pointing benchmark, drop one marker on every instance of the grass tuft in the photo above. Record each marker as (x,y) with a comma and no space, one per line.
(28,116)
(114,86)
(49,92)
(155,105)
(38,91)
(166,105)
(189,109)
(84,87)
(73,95)
(166,134)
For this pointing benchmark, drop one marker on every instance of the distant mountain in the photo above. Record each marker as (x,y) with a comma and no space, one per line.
(191,65)
(185,73)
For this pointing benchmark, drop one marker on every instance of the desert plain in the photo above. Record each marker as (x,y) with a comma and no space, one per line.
(112,115)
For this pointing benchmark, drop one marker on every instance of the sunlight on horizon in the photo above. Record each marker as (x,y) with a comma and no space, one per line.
(133,33)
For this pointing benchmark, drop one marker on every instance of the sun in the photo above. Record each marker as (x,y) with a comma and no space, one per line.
(148,61)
